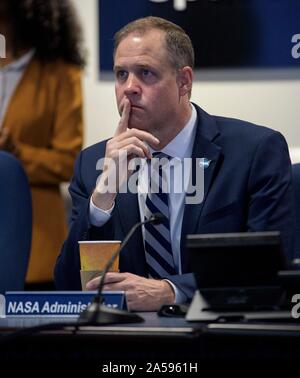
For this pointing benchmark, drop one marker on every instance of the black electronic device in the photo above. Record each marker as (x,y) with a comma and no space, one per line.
(238,271)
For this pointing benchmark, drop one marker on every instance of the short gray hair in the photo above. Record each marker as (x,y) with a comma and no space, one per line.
(178,44)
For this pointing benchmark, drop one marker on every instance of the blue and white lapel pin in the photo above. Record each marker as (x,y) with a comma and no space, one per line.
(204,163)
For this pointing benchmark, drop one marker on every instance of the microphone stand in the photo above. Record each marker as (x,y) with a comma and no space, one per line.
(99,314)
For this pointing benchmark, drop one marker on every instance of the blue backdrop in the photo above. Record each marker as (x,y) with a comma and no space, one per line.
(225,33)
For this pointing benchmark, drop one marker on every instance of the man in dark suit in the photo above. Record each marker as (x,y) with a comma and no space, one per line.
(247,175)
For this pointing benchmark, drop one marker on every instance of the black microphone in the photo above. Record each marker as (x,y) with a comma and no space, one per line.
(97,313)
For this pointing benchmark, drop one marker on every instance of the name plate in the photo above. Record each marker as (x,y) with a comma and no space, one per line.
(54,303)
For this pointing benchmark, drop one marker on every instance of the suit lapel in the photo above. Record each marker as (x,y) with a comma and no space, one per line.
(203,148)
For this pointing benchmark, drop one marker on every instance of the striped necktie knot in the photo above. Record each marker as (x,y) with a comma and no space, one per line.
(160,155)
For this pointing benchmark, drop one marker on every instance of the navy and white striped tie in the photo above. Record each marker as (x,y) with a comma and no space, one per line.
(158,247)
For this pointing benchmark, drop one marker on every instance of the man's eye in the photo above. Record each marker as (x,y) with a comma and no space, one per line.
(121,74)
(146,73)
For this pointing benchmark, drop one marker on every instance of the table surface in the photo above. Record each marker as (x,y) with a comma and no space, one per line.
(154,323)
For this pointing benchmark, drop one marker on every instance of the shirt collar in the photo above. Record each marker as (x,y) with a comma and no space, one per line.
(182,145)
(20,63)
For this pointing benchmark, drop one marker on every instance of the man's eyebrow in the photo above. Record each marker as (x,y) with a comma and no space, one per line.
(144,65)
(137,65)
(116,68)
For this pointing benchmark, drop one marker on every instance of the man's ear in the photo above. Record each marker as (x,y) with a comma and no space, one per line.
(185,80)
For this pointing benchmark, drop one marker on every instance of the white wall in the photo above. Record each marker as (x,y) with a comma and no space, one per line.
(273,103)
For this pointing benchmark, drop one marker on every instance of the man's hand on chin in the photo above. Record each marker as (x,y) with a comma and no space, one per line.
(142,294)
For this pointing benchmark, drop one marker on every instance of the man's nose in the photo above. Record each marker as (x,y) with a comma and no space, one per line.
(132,85)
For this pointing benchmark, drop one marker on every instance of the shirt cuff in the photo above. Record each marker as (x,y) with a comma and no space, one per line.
(99,217)
(179,296)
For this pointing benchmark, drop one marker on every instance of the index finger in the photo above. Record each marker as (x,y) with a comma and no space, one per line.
(123,123)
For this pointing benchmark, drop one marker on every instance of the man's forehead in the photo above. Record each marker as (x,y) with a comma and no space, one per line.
(150,34)
(141,46)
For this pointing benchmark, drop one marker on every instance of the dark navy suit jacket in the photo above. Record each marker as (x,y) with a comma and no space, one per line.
(247,187)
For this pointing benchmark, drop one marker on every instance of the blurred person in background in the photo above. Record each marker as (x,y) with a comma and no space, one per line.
(41,114)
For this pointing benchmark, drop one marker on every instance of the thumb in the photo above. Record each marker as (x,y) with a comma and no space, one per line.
(93,284)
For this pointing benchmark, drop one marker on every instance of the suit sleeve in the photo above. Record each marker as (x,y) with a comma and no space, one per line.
(269,199)
(185,284)
(67,269)
(270,190)
(54,164)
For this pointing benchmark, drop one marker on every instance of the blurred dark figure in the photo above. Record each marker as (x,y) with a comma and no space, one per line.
(41,113)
